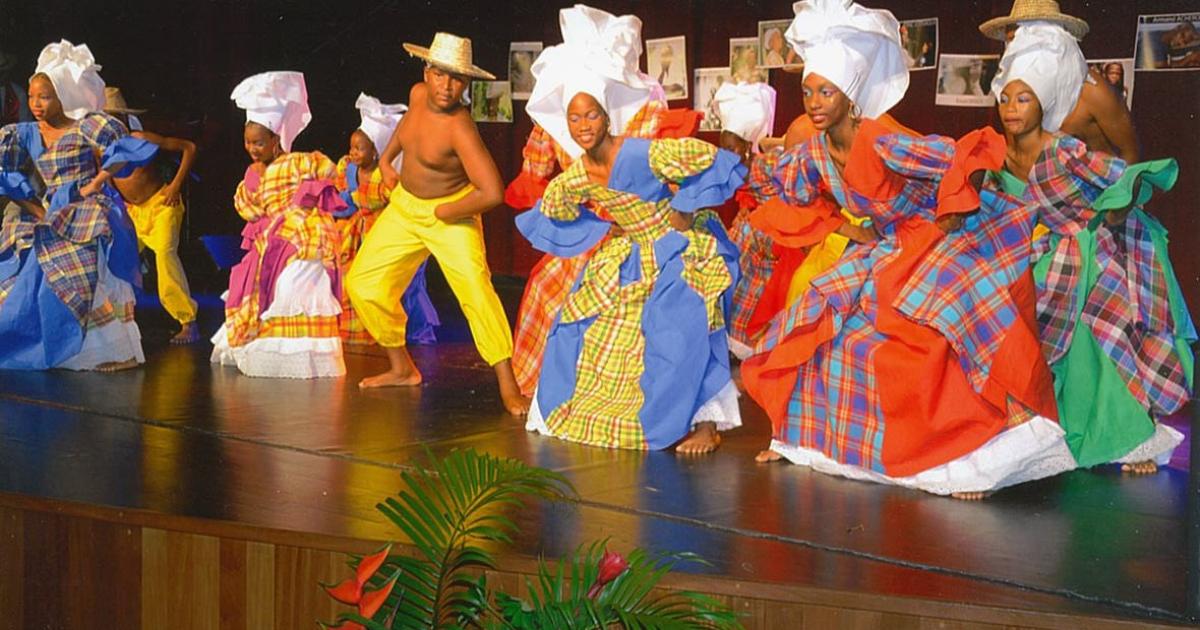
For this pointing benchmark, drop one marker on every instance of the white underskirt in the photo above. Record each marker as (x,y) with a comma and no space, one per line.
(116,341)
(1158,448)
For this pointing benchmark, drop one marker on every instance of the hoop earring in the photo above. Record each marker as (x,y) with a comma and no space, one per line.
(855,111)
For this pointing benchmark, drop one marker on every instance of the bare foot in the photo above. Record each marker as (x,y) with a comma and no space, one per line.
(402,373)
(767,456)
(1148,467)
(703,439)
(969,496)
(188,335)
(117,366)
(515,402)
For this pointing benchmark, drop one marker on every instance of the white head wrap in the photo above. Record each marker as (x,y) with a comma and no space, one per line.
(378,120)
(747,110)
(277,101)
(599,56)
(76,77)
(856,48)
(1047,58)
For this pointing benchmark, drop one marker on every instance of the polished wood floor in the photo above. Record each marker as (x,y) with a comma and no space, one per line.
(181,437)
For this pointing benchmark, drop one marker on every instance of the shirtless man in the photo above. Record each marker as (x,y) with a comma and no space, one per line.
(447,179)
(157,212)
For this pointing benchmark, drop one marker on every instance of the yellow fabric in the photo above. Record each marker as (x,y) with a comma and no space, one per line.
(1040,231)
(404,235)
(820,258)
(157,224)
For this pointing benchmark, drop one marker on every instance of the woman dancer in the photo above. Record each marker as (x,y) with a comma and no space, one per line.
(281,312)
(68,258)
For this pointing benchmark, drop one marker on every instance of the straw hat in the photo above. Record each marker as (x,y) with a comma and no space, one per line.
(1027,10)
(452,53)
(114,102)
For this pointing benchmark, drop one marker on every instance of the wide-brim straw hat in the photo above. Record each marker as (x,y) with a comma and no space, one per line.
(114,102)
(1027,10)
(451,53)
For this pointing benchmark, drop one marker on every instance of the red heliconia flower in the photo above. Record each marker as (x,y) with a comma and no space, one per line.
(350,592)
(372,601)
(612,565)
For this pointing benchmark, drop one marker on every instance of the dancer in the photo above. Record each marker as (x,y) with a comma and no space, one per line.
(1099,118)
(281,311)
(914,360)
(639,107)
(69,257)
(360,181)
(156,208)
(1114,325)
(446,181)
(638,355)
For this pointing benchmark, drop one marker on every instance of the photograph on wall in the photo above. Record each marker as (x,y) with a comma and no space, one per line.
(966,80)
(666,62)
(1119,74)
(919,38)
(773,49)
(743,60)
(1168,42)
(521,56)
(708,81)
(491,101)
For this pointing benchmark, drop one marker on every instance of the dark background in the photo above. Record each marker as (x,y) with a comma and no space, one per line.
(181,59)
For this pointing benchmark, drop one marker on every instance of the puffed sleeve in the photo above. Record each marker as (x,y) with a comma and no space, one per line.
(14,161)
(559,224)
(706,176)
(117,148)
(797,212)
(540,161)
(1068,179)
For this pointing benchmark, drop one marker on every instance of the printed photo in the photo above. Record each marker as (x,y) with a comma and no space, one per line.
(708,81)
(521,56)
(666,62)
(1119,74)
(919,38)
(491,101)
(1168,42)
(966,80)
(773,49)
(743,60)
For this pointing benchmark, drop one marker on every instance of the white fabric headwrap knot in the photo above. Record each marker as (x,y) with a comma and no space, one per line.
(76,77)
(379,120)
(747,110)
(277,101)
(855,48)
(1047,58)
(599,56)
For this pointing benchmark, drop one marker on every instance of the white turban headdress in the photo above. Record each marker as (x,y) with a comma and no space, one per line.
(1047,58)
(277,101)
(599,56)
(747,110)
(378,120)
(855,48)
(76,78)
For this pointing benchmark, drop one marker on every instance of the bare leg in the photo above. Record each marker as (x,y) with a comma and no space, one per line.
(767,456)
(403,372)
(703,439)
(117,366)
(514,402)
(188,334)
(1148,467)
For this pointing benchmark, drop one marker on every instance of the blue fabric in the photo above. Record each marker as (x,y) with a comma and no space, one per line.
(39,331)
(123,259)
(130,152)
(730,253)
(564,344)
(31,139)
(15,186)
(348,194)
(631,172)
(562,238)
(712,186)
(422,315)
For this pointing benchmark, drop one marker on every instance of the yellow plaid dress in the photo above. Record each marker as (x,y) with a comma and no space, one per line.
(370,199)
(641,296)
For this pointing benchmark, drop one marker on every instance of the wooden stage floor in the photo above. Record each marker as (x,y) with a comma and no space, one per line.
(185,439)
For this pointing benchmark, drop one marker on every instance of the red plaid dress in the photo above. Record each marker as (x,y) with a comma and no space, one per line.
(870,367)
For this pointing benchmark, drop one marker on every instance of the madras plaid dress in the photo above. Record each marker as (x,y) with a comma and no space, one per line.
(68,244)
(370,199)
(905,355)
(608,392)
(552,276)
(277,223)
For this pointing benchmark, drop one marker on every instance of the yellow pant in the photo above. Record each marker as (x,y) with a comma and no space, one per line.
(403,236)
(157,224)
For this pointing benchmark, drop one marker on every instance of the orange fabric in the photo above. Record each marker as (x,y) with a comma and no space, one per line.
(678,123)
(802,129)
(797,226)
(770,377)
(1013,373)
(774,296)
(525,191)
(982,149)
(866,172)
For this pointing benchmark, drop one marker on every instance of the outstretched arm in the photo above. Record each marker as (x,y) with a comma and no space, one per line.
(481,171)
(187,151)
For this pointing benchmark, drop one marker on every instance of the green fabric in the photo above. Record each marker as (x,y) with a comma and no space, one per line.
(1160,174)
(1010,183)
(1185,330)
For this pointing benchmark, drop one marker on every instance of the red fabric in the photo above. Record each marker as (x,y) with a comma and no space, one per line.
(794,226)
(870,176)
(774,296)
(524,191)
(982,149)
(678,123)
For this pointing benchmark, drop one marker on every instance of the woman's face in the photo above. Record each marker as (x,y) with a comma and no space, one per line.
(1020,110)
(261,144)
(586,121)
(362,150)
(775,41)
(734,144)
(43,100)
(825,104)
